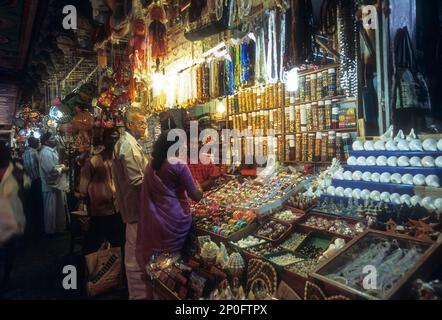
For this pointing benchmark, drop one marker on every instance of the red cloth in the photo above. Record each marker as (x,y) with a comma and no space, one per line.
(165,217)
(203,172)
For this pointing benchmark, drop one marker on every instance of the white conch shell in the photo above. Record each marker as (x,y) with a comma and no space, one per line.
(388,135)
(412,136)
(400,136)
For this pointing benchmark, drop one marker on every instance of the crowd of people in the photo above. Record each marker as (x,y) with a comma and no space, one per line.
(139,205)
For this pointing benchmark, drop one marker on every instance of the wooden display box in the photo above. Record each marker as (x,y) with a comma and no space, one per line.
(243,233)
(423,269)
(304,227)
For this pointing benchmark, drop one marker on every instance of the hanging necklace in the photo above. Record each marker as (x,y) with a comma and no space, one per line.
(219,9)
(282,53)
(260,62)
(272,54)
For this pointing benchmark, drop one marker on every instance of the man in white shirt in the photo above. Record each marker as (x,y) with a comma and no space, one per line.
(128,166)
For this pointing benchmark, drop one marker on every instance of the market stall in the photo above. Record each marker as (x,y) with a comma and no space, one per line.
(312,191)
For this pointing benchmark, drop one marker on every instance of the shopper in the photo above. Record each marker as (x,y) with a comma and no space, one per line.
(204,171)
(53,186)
(34,199)
(97,188)
(165,217)
(128,167)
(10,226)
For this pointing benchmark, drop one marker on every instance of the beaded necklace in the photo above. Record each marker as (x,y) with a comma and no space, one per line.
(272,54)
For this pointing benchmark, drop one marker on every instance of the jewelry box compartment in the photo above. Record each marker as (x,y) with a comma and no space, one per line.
(345,222)
(298,213)
(274,223)
(296,275)
(378,266)
(243,233)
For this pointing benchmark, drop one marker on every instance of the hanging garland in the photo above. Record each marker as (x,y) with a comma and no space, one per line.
(348,45)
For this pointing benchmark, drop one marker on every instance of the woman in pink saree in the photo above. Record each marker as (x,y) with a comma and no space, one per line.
(165,217)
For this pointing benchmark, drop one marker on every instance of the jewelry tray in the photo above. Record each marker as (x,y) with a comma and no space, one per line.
(422,268)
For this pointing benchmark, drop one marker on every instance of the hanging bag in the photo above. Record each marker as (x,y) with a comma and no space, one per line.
(104,270)
(208,24)
(410,88)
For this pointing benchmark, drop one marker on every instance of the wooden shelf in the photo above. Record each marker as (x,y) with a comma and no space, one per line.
(309,72)
(323,99)
(247,112)
(308,162)
(325,130)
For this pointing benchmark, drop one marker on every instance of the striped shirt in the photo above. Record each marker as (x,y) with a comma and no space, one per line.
(31,163)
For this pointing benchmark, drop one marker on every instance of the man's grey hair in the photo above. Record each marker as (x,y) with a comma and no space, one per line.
(130,112)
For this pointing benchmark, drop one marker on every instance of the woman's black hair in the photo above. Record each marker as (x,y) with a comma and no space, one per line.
(5,154)
(160,150)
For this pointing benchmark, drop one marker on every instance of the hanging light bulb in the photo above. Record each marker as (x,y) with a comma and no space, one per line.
(220,107)
(292,80)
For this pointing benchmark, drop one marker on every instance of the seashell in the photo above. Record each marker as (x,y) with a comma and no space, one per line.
(375,196)
(352,161)
(348,176)
(369,146)
(430,144)
(371,161)
(385,196)
(411,136)
(357,176)
(385,177)
(392,161)
(403,161)
(396,178)
(395,198)
(416,145)
(438,204)
(428,162)
(406,199)
(438,162)
(391,145)
(339,192)
(400,136)
(379,145)
(358,146)
(388,135)
(415,162)
(236,264)
(366,176)
(403,145)
(419,180)
(407,179)
(376,177)
(382,161)
(356,194)
(432,181)
(428,203)
(415,200)
(331,191)
(338,175)
(439,145)
(365,194)
(348,192)
(362,161)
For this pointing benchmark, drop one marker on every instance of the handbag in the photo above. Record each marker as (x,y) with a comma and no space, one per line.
(104,270)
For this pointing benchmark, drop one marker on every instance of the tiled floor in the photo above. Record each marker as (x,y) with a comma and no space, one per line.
(38,272)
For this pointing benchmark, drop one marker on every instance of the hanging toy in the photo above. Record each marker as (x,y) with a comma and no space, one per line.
(102,59)
(157,31)
(138,47)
